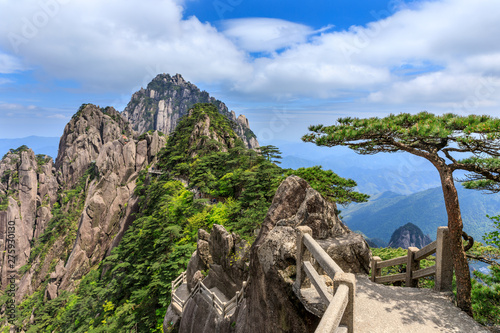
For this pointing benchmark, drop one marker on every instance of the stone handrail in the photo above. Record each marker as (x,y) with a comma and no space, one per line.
(443,269)
(340,306)
(222,308)
(156,172)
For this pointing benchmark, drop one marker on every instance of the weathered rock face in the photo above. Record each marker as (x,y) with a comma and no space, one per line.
(27,190)
(110,202)
(409,235)
(225,256)
(270,304)
(169,98)
(84,136)
(99,139)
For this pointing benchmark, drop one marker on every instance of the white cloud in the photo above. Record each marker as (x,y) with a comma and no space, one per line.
(265,34)
(9,65)
(450,46)
(114,44)
(432,54)
(58,116)
(21,111)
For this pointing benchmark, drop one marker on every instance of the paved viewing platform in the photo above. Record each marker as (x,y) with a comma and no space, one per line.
(386,309)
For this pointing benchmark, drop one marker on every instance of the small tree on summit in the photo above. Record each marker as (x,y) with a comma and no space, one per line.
(438,139)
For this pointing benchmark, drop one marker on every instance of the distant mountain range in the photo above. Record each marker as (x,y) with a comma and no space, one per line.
(39,144)
(387,211)
(400,173)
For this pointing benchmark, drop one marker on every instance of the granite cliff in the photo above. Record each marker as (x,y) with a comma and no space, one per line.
(91,182)
(168,98)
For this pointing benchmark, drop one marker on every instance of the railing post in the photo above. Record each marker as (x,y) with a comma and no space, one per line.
(349,280)
(444,263)
(244,289)
(375,270)
(411,266)
(300,253)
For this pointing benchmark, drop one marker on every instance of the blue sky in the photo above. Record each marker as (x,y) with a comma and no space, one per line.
(284,64)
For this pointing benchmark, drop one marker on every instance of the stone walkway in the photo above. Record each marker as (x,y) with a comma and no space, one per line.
(384,309)
(183,293)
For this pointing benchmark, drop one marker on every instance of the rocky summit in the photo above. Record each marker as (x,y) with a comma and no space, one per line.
(409,235)
(168,98)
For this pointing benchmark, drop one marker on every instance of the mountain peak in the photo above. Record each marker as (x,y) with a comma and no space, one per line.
(169,98)
(88,130)
(177,79)
(409,235)
(202,131)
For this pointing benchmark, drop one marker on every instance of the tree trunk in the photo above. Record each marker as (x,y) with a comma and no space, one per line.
(455,227)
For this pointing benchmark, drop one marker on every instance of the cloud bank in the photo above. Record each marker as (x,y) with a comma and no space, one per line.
(436,55)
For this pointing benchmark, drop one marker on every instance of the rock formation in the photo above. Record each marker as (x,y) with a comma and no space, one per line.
(27,190)
(83,138)
(97,145)
(409,235)
(270,304)
(168,98)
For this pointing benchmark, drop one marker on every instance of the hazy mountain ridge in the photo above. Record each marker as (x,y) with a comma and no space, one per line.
(387,212)
(398,172)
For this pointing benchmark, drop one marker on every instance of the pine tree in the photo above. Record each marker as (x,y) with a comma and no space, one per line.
(439,139)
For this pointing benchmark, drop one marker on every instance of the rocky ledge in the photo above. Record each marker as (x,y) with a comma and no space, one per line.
(270,304)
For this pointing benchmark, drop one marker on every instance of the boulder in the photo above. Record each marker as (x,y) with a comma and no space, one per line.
(271,305)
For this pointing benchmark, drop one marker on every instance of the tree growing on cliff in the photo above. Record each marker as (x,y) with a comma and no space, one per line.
(439,139)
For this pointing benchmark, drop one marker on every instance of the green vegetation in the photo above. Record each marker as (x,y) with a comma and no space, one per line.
(150,132)
(486,287)
(481,182)
(4,201)
(330,185)
(18,150)
(390,253)
(80,110)
(42,159)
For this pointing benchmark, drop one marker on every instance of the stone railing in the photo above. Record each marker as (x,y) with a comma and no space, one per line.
(155,171)
(339,314)
(176,300)
(443,269)
(222,308)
